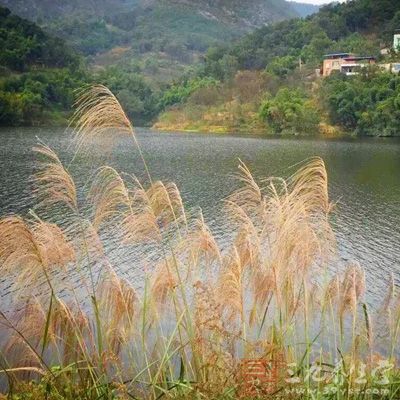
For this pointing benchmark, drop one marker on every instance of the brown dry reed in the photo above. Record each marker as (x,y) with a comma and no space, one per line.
(272,289)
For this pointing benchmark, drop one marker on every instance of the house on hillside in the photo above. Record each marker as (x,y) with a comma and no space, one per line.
(353,65)
(345,63)
(396,41)
(332,62)
(394,68)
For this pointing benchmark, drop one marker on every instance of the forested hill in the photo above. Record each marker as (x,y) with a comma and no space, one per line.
(144,26)
(38,73)
(264,81)
(242,12)
(267,82)
(43,9)
(23,45)
(359,26)
(148,43)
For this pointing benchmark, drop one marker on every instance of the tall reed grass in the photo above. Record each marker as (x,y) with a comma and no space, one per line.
(271,293)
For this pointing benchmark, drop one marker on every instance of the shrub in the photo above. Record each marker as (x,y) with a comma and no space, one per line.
(290,110)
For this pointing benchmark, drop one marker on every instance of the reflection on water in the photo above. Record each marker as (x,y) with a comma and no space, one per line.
(364,181)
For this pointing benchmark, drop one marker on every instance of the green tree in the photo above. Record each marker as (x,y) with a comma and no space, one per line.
(282,66)
(368,104)
(290,111)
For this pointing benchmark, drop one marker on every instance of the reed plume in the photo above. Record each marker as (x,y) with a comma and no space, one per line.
(118,301)
(108,195)
(99,114)
(353,288)
(249,197)
(20,253)
(143,213)
(70,332)
(24,331)
(53,244)
(200,248)
(164,281)
(152,210)
(54,185)
(140,221)
(87,242)
(284,232)
(310,184)
(231,287)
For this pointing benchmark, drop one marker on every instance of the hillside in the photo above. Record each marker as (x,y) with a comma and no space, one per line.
(266,81)
(39,10)
(23,44)
(155,42)
(94,27)
(38,73)
(253,12)
(193,64)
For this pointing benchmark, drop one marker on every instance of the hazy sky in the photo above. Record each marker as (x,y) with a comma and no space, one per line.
(313,1)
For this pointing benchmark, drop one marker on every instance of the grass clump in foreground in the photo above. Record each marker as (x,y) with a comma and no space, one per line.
(75,329)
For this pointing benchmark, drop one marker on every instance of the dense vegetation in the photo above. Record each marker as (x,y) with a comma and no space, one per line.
(139,98)
(264,82)
(180,26)
(367,104)
(23,44)
(46,96)
(38,97)
(134,47)
(39,75)
(287,54)
(88,35)
(41,10)
(358,26)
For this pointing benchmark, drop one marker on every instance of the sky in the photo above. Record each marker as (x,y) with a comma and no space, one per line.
(313,1)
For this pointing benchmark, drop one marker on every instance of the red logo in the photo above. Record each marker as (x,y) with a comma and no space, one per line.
(260,376)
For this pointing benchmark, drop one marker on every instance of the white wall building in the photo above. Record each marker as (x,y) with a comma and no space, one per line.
(396,41)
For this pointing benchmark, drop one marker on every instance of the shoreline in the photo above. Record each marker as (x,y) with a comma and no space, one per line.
(265,134)
(223,131)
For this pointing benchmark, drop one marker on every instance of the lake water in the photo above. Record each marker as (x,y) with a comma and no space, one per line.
(364,180)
